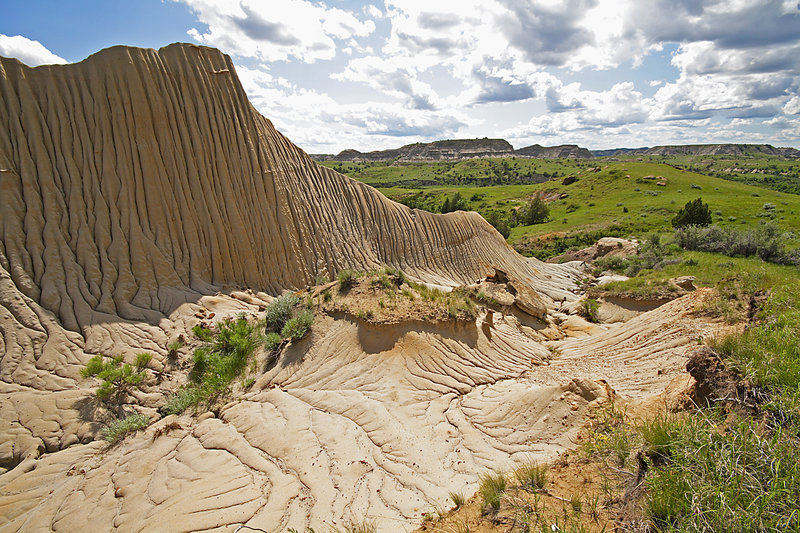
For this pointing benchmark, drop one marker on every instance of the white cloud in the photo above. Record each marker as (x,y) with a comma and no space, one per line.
(277,30)
(792,107)
(391,78)
(30,52)
(426,66)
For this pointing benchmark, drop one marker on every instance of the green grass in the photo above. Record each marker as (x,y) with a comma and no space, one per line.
(596,202)
(458,499)
(119,429)
(531,475)
(492,488)
(717,471)
(769,353)
(724,476)
(754,169)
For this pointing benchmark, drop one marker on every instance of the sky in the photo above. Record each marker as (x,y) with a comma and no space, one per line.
(338,74)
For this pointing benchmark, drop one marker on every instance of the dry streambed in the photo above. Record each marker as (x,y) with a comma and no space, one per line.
(358,420)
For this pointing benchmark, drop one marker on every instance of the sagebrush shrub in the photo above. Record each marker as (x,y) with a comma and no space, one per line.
(297,326)
(279,311)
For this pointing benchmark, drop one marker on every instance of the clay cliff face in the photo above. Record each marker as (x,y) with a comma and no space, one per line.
(139,191)
(137,181)
(137,171)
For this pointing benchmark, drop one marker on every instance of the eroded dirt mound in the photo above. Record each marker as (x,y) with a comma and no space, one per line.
(142,195)
(358,421)
(138,181)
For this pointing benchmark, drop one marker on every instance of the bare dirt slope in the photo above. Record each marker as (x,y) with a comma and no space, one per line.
(358,421)
(140,192)
(139,180)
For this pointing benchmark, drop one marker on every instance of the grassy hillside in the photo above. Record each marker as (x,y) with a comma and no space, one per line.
(755,169)
(608,197)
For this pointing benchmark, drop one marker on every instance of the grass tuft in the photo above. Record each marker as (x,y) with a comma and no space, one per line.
(492,488)
(531,475)
(458,499)
(347,278)
(119,429)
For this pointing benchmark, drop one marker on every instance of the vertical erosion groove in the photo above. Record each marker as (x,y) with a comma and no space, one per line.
(136,170)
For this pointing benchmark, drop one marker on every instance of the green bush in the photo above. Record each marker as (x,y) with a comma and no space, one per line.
(347,278)
(766,241)
(119,378)
(500,223)
(590,310)
(279,311)
(202,333)
(118,429)
(453,203)
(218,363)
(272,341)
(694,213)
(535,211)
(297,326)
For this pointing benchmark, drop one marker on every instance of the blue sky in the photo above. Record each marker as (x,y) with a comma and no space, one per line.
(336,74)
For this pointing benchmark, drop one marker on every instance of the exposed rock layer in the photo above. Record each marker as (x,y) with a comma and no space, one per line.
(736,150)
(458,149)
(137,181)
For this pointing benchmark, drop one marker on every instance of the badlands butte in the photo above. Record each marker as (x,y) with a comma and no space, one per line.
(143,195)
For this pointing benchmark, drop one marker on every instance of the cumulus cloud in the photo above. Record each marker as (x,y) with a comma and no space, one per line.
(32,53)
(391,78)
(546,33)
(792,107)
(277,30)
(424,67)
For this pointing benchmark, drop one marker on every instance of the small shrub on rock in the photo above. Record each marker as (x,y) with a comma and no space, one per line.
(347,278)
(297,326)
(119,378)
(117,430)
(272,341)
(279,311)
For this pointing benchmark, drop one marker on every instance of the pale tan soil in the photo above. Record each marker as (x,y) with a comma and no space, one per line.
(141,195)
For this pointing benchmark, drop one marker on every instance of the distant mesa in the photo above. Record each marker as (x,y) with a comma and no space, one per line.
(455,149)
(703,149)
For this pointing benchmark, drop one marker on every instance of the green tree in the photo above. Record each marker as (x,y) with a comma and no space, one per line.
(694,213)
(119,378)
(454,203)
(500,223)
(535,212)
